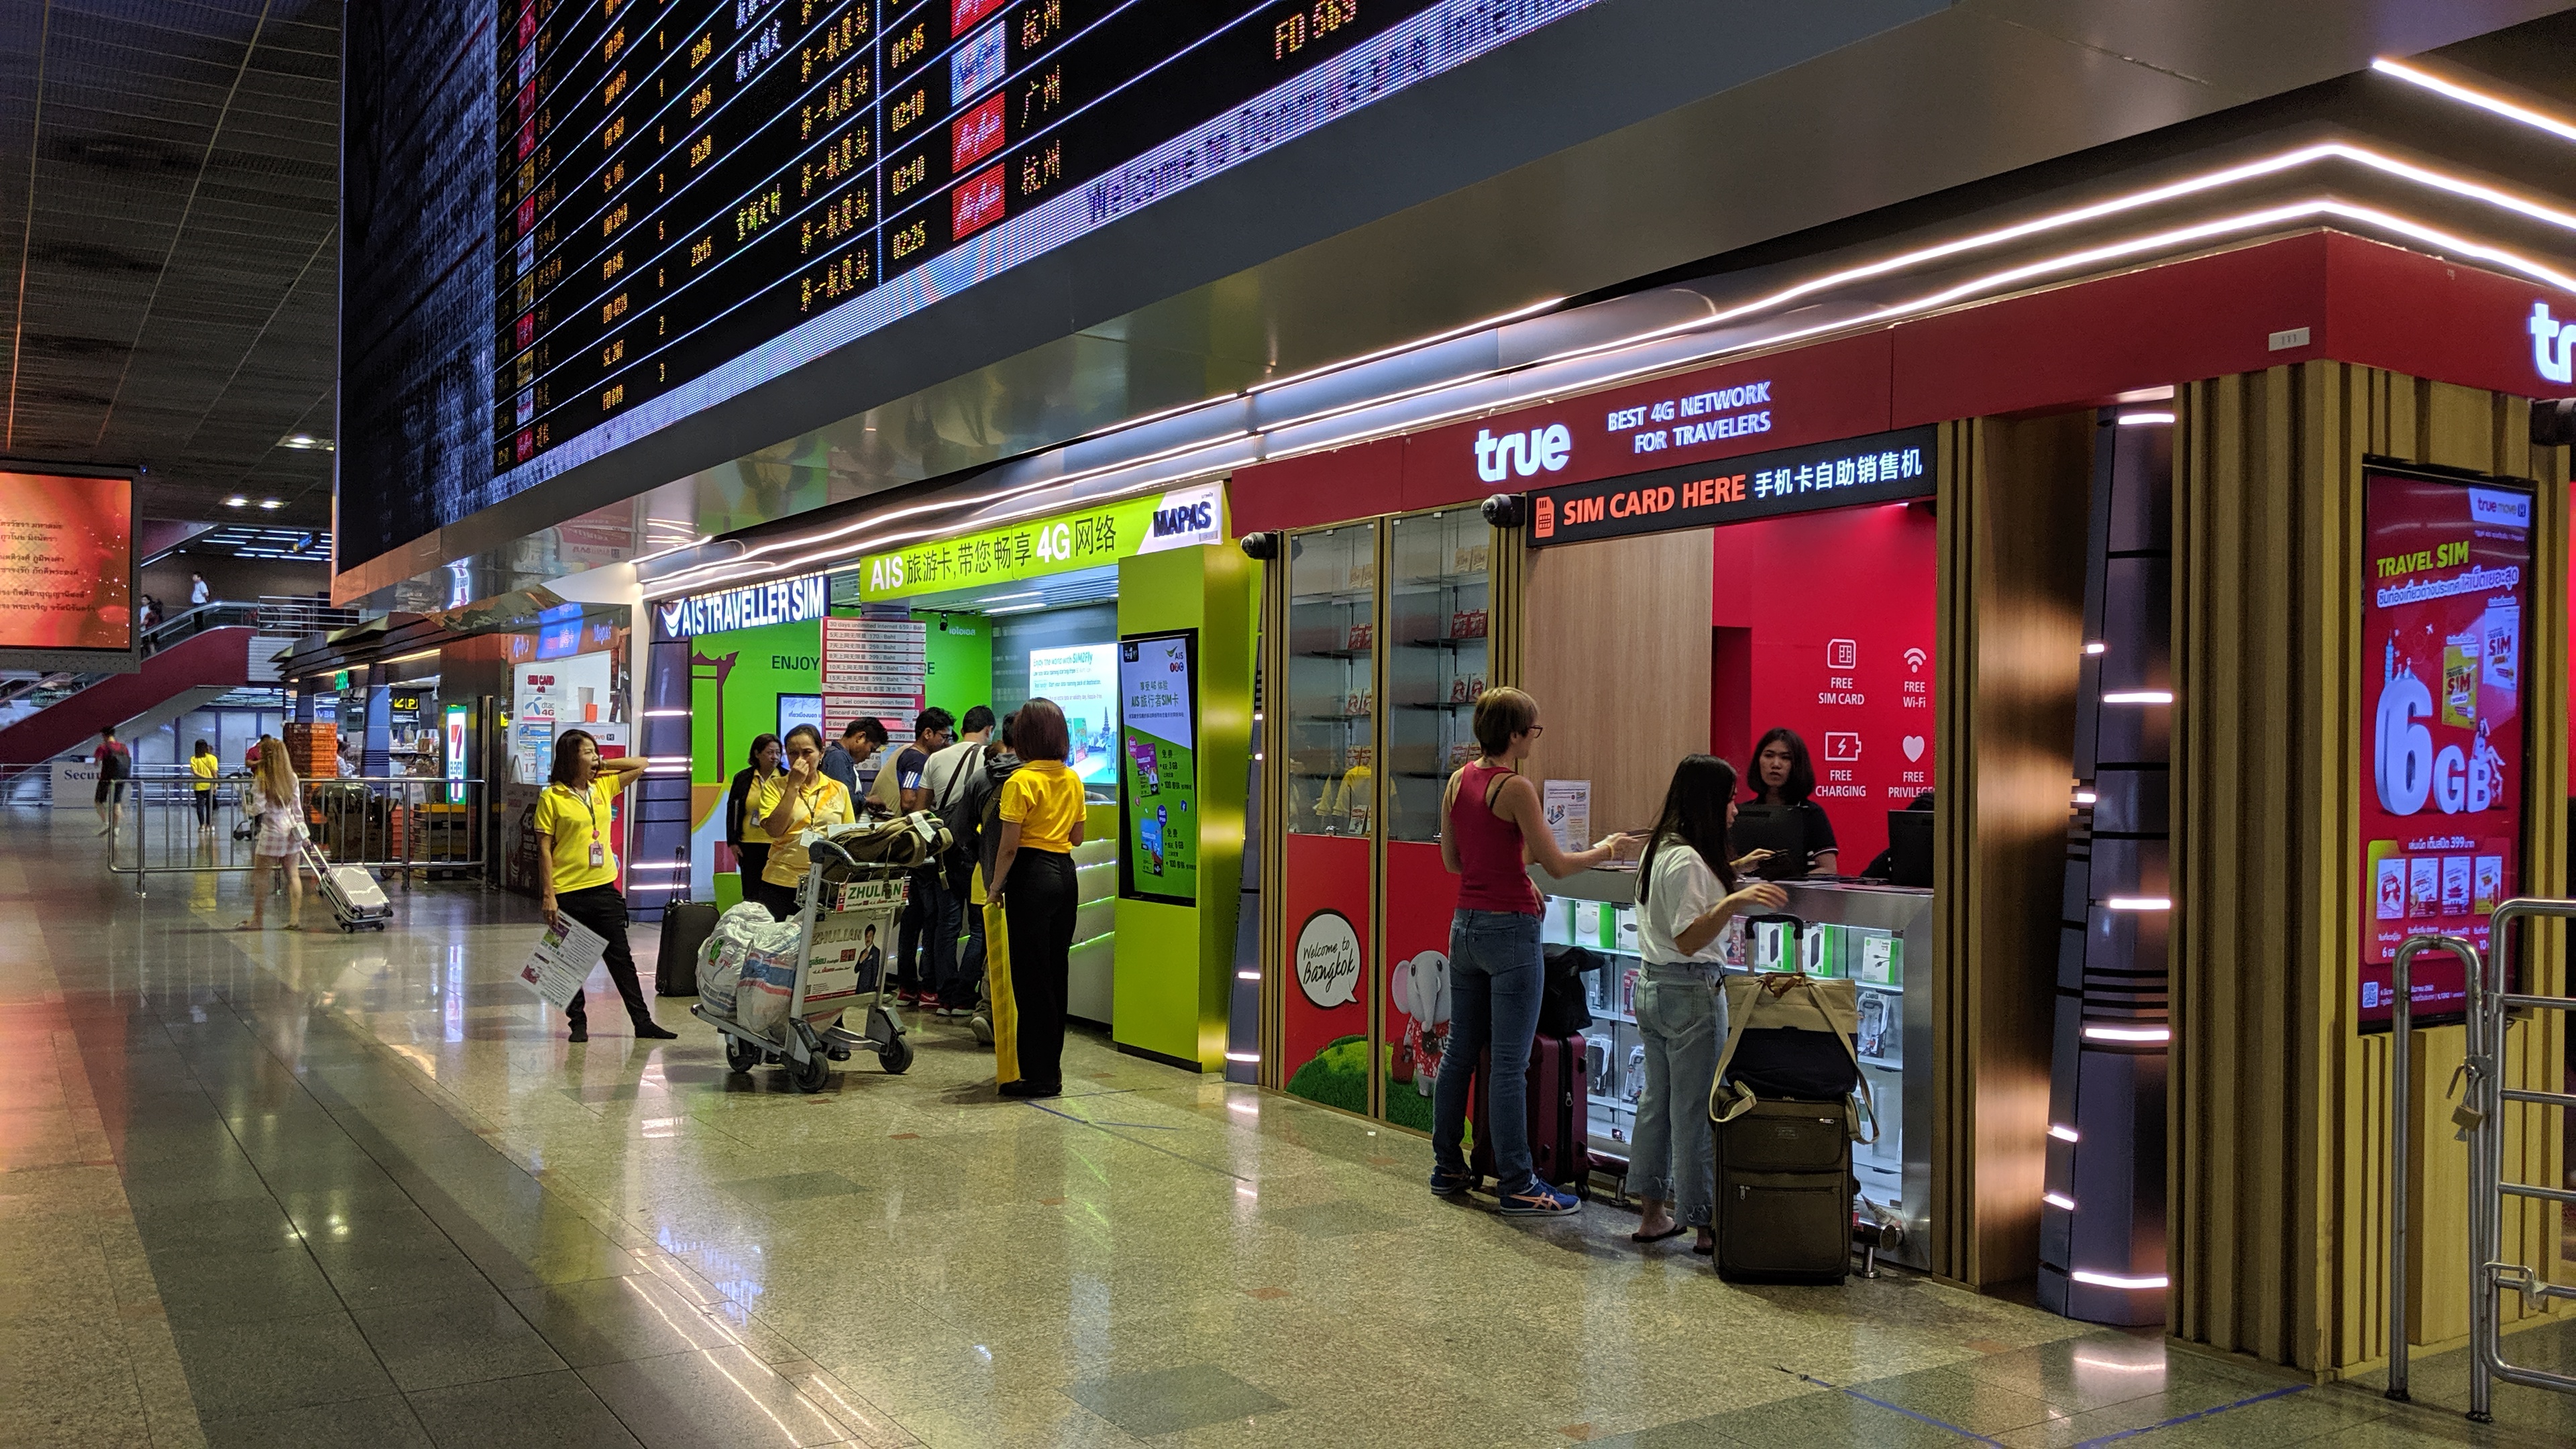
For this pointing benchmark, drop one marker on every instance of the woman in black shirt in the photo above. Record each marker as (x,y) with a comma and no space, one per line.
(741,801)
(1802,838)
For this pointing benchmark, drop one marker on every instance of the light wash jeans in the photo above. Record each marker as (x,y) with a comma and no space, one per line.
(1495,981)
(1682,1020)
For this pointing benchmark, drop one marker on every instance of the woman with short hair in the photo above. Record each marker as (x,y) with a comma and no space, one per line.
(1801,839)
(1493,828)
(797,799)
(578,867)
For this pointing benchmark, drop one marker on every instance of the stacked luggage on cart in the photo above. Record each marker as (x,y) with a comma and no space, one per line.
(782,992)
(1788,1103)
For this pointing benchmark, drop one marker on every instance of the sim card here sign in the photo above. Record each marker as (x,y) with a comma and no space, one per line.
(1879,468)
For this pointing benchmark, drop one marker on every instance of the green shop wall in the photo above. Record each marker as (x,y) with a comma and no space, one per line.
(959,659)
(734,683)
(1176,963)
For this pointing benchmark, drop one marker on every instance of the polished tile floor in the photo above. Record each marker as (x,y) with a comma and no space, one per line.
(311,1189)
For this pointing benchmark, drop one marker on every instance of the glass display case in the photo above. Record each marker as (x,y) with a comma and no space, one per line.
(1330,704)
(1436,626)
(1868,934)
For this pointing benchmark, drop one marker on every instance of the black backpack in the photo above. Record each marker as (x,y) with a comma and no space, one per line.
(956,805)
(981,803)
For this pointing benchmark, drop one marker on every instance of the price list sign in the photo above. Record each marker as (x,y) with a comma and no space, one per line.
(684,183)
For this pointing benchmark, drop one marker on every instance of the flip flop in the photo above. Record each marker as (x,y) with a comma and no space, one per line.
(1676,1232)
(1705,1250)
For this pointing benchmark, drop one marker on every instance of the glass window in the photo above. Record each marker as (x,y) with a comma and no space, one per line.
(1331,699)
(1436,666)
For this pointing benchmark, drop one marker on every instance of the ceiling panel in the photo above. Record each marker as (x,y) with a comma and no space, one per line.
(180,272)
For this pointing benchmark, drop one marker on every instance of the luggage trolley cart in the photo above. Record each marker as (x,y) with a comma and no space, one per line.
(841,898)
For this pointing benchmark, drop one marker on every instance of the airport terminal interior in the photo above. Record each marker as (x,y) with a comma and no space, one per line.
(1434,723)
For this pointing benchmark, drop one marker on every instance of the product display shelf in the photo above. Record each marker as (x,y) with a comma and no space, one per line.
(1330,706)
(1874,935)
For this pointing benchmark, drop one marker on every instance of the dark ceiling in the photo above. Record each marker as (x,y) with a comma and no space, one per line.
(168,246)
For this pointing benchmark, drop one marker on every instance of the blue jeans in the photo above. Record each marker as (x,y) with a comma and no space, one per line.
(1681,1019)
(1495,981)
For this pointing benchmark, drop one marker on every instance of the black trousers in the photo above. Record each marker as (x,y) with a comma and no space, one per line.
(779,899)
(1039,901)
(206,808)
(753,858)
(602,909)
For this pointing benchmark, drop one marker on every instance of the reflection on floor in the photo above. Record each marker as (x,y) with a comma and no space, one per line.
(321,1190)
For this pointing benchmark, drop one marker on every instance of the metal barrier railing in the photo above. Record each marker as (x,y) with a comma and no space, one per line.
(407,826)
(2401,1092)
(2482,1118)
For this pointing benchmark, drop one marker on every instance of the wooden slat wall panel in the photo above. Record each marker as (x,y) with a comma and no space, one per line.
(2280,1107)
(1617,653)
(2014,495)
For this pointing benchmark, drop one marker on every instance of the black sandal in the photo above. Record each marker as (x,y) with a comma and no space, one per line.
(1677,1230)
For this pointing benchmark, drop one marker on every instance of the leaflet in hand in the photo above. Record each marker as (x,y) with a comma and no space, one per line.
(563,960)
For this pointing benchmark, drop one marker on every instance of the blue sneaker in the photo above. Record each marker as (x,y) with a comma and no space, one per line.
(1445,1183)
(1538,1200)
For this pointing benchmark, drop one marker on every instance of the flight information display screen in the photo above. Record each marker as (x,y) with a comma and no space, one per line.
(694,196)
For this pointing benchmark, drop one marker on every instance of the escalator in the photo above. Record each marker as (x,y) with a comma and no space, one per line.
(198,666)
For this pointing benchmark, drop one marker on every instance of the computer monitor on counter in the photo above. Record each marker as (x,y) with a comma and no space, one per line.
(1909,847)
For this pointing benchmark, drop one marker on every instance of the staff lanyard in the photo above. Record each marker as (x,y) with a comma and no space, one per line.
(590,805)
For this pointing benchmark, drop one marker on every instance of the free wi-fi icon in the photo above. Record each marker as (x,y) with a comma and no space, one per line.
(1914,660)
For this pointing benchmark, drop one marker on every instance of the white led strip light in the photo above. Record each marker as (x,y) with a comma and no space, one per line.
(863,535)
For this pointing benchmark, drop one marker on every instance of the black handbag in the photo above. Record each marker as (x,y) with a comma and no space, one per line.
(1562,1007)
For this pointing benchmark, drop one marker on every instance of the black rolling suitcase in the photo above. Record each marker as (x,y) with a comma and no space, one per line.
(1784,1194)
(685,928)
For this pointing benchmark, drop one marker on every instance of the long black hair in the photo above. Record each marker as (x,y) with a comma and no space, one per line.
(1694,818)
(1802,770)
(568,756)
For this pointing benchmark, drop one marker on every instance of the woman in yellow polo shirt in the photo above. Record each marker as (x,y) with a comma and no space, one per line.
(578,863)
(203,765)
(800,797)
(1041,813)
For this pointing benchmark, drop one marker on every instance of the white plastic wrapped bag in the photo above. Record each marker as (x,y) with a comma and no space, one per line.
(720,961)
(767,980)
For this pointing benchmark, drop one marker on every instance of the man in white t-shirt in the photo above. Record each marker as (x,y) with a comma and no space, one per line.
(945,780)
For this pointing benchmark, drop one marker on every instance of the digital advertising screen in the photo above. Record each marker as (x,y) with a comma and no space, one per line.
(801,709)
(2446,569)
(1082,679)
(66,562)
(693,196)
(1159,700)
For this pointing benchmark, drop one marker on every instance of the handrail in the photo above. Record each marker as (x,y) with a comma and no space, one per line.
(2483,1116)
(2401,1093)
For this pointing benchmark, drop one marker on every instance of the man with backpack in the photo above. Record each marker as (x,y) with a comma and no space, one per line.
(948,780)
(926,941)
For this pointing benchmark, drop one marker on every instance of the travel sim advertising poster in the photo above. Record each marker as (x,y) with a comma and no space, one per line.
(1158,738)
(2445,570)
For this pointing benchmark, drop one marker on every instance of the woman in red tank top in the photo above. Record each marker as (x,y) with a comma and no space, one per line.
(1493,826)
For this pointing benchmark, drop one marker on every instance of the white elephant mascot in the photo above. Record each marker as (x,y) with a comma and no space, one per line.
(1421,991)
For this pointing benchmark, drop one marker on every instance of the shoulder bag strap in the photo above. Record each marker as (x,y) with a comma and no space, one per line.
(1869,1102)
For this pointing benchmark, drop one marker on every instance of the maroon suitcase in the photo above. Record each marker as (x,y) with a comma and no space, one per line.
(1559,1115)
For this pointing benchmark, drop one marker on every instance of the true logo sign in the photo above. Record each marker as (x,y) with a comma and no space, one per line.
(2553,345)
(1538,450)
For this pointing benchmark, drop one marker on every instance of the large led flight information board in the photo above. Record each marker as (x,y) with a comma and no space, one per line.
(696,195)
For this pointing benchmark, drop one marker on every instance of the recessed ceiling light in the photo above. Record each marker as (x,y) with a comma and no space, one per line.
(305,440)
(236,501)
(272,503)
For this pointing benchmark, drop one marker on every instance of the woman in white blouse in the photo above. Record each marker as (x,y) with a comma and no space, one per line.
(1686,893)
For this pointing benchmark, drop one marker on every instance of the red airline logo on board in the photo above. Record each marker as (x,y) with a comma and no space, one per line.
(964,13)
(977,203)
(976,134)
